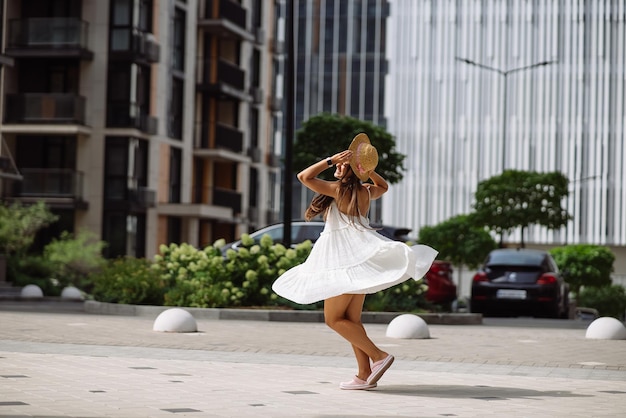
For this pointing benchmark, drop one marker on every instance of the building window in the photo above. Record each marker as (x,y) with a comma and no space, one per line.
(278,84)
(125,167)
(178,50)
(257,13)
(124,234)
(115,170)
(125,180)
(50,8)
(175,116)
(130,20)
(1,21)
(174,230)
(175,175)
(145,15)
(254,128)
(128,95)
(255,71)
(121,15)
(254,188)
(198,181)
(46,152)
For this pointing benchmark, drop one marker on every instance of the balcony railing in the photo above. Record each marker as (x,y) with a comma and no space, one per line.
(226,137)
(51,183)
(140,44)
(227,73)
(227,198)
(48,33)
(142,197)
(130,115)
(229,138)
(45,108)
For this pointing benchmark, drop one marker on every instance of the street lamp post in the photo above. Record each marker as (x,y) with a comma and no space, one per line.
(289,125)
(505,74)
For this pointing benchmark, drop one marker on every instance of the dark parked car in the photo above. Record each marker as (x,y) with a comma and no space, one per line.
(394,233)
(300,232)
(520,281)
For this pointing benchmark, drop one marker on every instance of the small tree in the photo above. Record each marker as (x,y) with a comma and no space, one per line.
(324,135)
(19,225)
(584,265)
(521,198)
(459,241)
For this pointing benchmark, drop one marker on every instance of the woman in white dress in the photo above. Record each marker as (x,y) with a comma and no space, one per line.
(350,259)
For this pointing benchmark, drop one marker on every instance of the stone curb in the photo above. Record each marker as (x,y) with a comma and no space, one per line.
(276,315)
(52,304)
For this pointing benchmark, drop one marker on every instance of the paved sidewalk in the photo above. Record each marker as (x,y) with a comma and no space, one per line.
(74,364)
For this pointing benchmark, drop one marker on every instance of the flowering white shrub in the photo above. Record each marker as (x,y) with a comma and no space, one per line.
(205,278)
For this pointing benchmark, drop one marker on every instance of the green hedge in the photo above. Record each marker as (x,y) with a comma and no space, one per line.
(182,275)
(587,268)
(207,279)
(608,300)
(584,264)
(129,280)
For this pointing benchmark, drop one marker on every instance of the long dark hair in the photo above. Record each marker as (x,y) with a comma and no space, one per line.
(348,186)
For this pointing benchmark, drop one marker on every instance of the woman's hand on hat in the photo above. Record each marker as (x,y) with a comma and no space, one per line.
(341,157)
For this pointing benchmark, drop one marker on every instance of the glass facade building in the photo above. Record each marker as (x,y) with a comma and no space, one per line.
(476,87)
(340,54)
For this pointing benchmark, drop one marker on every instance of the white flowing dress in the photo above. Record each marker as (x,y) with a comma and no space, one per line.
(351,258)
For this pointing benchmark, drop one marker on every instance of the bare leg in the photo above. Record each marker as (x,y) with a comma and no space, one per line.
(353,314)
(343,314)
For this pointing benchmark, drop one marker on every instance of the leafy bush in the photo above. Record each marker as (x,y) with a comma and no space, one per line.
(32,269)
(191,274)
(584,265)
(205,278)
(73,259)
(459,241)
(608,300)
(183,275)
(129,280)
(409,296)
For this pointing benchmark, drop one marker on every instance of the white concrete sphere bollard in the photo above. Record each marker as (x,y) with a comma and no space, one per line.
(31,291)
(71,293)
(606,328)
(175,320)
(408,326)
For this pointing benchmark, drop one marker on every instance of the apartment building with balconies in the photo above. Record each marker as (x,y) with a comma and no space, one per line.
(146,122)
(233,150)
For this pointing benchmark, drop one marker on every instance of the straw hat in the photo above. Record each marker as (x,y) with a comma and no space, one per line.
(364,156)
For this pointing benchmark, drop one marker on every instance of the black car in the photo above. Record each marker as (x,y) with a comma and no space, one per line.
(522,282)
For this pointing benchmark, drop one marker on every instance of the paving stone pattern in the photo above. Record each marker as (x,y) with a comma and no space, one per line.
(73,364)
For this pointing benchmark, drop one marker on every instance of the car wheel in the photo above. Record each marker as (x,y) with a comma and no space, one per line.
(476,307)
(553,311)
